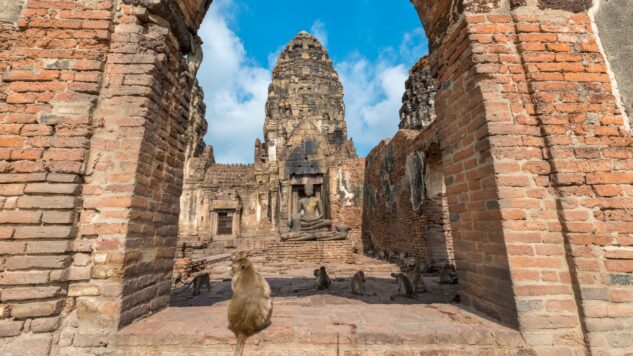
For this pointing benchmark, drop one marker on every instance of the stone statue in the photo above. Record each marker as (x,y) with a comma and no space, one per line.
(312,218)
(309,223)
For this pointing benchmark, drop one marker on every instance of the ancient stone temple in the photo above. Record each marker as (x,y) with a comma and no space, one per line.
(305,182)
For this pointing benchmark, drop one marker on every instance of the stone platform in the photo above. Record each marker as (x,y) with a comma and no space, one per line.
(333,322)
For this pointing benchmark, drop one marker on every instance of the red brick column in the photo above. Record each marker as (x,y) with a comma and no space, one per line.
(537,163)
(51,64)
(134,174)
(94,110)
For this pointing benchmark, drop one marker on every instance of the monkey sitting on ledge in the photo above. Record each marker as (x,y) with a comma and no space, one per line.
(323,281)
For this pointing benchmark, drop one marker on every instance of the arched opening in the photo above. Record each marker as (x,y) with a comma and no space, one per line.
(438,227)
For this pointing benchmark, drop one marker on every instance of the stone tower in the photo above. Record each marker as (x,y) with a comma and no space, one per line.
(305,142)
(305,98)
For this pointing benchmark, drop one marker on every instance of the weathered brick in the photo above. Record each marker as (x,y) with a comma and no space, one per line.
(619,265)
(15,278)
(83,289)
(10,328)
(52,188)
(42,325)
(47,202)
(20,217)
(58,217)
(47,247)
(42,232)
(33,262)
(36,309)
(39,344)
(27,293)
(11,189)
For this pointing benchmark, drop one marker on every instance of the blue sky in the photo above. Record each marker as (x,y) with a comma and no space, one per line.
(373,43)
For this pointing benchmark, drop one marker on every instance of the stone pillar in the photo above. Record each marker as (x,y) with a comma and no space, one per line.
(51,68)
(536,156)
(134,174)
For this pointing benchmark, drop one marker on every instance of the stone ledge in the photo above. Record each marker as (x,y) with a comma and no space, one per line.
(308,326)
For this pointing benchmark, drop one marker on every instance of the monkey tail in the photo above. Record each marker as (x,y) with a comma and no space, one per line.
(185,288)
(239,346)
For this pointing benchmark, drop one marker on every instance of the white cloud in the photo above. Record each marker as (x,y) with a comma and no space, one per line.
(235,88)
(413,44)
(373,96)
(318,30)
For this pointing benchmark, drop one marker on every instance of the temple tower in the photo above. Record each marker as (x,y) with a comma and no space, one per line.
(305,98)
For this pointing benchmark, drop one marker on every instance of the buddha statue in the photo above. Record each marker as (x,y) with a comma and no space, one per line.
(310,224)
(310,216)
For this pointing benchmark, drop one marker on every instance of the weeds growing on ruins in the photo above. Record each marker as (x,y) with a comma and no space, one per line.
(511,173)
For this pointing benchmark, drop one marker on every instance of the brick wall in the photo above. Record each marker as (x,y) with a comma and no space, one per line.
(536,156)
(318,252)
(51,65)
(398,214)
(94,110)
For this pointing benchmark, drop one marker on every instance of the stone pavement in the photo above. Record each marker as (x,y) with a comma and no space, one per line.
(333,322)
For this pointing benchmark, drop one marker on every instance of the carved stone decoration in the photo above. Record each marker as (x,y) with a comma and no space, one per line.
(418,101)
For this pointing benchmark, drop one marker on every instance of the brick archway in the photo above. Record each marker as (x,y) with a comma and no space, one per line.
(99,104)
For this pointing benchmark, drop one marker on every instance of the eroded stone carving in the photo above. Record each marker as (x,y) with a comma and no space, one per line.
(418,101)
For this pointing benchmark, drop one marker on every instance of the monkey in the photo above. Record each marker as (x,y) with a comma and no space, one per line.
(177,279)
(323,281)
(382,254)
(457,299)
(410,261)
(402,256)
(198,281)
(430,267)
(415,277)
(251,306)
(358,284)
(448,275)
(391,255)
(405,288)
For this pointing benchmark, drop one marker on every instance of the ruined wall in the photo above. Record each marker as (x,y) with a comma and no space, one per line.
(536,162)
(613,21)
(403,210)
(211,187)
(94,107)
(346,197)
(51,65)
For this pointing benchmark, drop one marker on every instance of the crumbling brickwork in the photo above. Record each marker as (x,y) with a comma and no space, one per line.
(95,104)
(418,101)
(404,205)
(535,154)
(52,63)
